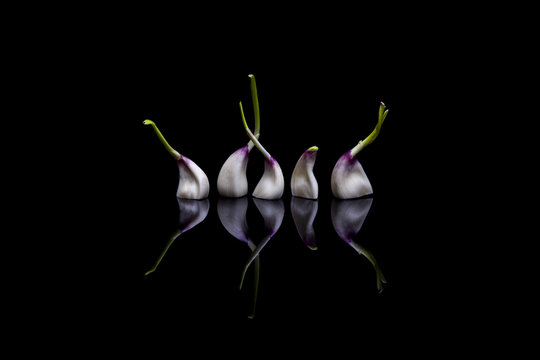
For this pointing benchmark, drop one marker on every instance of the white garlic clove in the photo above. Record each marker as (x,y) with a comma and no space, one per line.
(349,180)
(303,182)
(193,183)
(232,180)
(272,183)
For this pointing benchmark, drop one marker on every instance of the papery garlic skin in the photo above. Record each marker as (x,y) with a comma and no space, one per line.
(193,183)
(303,182)
(349,180)
(272,183)
(232,180)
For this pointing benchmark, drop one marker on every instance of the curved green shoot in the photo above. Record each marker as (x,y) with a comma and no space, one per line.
(371,137)
(253,137)
(175,154)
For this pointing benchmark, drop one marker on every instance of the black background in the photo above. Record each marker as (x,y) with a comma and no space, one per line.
(320,81)
(311,93)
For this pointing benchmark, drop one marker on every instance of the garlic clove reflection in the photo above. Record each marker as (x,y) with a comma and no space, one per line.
(232,214)
(348,216)
(192,212)
(272,212)
(303,213)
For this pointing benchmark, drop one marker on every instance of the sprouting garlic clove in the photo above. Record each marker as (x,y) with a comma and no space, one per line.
(272,183)
(193,182)
(349,180)
(232,179)
(303,182)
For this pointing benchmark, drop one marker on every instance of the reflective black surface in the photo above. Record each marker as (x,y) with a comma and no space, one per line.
(258,259)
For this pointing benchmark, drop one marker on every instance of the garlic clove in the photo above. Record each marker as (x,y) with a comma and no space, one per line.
(272,184)
(349,180)
(232,179)
(193,183)
(303,213)
(303,182)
